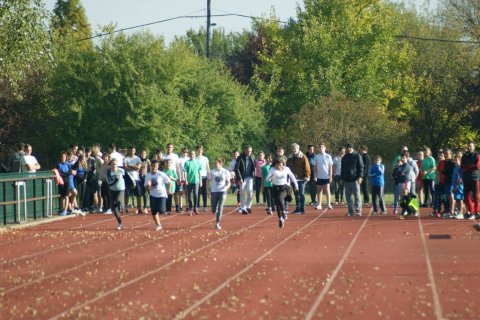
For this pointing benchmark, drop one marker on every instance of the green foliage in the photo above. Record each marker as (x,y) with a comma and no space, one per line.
(70,23)
(339,120)
(335,46)
(24,42)
(130,90)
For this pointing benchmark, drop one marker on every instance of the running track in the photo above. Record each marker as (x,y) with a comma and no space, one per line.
(322,265)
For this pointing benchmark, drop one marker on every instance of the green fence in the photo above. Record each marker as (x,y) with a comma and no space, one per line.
(26,196)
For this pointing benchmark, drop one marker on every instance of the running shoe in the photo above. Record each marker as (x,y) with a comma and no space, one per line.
(329,207)
(158,228)
(281,222)
(218,227)
(319,207)
(119,226)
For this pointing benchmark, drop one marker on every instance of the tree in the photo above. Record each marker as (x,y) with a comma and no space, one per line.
(335,47)
(130,90)
(70,22)
(25,56)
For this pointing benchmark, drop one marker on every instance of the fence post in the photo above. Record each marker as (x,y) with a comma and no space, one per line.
(18,185)
(49,197)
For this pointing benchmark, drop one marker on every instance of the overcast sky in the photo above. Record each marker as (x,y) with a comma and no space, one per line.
(129,13)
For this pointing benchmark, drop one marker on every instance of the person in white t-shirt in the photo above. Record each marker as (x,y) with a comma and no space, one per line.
(169,155)
(219,183)
(158,185)
(29,163)
(204,163)
(323,170)
(181,187)
(114,155)
(132,164)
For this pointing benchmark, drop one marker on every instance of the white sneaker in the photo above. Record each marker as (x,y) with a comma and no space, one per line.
(82,213)
(459,216)
(100,210)
(218,227)
(319,207)
(109,211)
(158,228)
(329,207)
(119,226)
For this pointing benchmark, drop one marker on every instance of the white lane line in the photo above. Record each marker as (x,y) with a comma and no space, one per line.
(77,267)
(184,313)
(149,273)
(68,245)
(329,281)
(437,307)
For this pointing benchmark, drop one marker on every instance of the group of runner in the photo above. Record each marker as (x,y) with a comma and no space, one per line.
(104,182)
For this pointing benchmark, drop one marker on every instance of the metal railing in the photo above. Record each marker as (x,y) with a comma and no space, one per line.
(26,196)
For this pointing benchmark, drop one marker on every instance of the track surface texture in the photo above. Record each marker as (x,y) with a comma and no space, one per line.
(321,265)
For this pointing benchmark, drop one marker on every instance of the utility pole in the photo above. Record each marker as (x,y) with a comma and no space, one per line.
(207,51)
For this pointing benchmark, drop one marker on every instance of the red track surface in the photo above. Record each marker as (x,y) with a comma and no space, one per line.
(322,265)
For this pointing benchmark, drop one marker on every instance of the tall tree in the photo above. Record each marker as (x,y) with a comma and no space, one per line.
(335,46)
(71,23)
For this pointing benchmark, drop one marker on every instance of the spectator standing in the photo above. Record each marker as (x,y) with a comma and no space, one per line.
(429,168)
(312,183)
(15,160)
(193,181)
(470,165)
(377,181)
(298,164)
(132,164)
(367,162)
(29,163)
(244,174)
(352,176)
(337,175)
(145,167)
(205,165)
(323,169)
(259,163)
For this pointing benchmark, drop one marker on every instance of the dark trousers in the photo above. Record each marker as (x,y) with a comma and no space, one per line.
(268,193)
(279,194)
(377,194)
(428,191)
(169,203)
(338,189)
(117,198)
(192,190)
(203,192)
(258,188)
(105,192)
(364,189)
(312,188)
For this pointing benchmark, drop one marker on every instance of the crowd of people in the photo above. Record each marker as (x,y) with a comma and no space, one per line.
(92,181)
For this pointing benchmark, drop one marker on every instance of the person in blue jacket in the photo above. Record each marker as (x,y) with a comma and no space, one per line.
(377,181)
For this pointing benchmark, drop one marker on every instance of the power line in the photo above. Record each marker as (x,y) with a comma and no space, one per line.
(175,18)
(188,16)
(437,39)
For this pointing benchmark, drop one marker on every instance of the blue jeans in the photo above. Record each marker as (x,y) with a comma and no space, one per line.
(353,188)
(300,196)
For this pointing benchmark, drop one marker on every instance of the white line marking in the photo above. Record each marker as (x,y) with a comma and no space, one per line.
(149,273)
(330,280)
(103,257)
(437,307)
(184,313)
(68,245)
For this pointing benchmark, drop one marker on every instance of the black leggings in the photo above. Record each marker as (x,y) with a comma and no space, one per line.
(258,187)
(116,198)
(192,188)
(279,194)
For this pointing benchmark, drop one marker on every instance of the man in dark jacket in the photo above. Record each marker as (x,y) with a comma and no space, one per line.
(367,162)
(352,176)
(244,175)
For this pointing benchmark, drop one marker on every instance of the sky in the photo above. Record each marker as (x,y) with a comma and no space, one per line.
(129,13)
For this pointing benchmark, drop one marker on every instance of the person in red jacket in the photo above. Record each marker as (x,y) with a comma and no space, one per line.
(471,175)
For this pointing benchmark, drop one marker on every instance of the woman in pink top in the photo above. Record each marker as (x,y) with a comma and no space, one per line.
(259,163)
